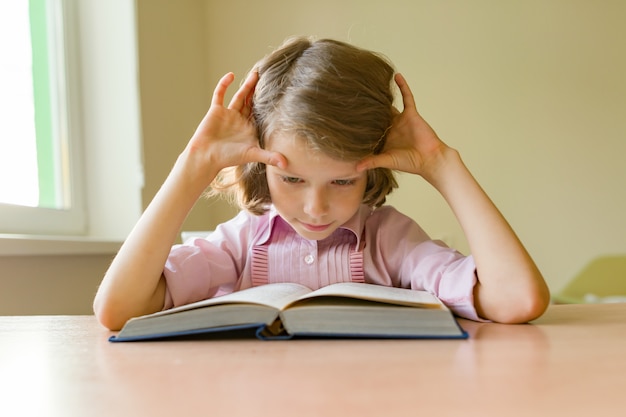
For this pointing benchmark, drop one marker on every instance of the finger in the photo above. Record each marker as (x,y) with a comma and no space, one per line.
(364,165)
(243,97)
(278,160)
(220,89)
(407,95)
(247,106)
(375,161)
(267,157)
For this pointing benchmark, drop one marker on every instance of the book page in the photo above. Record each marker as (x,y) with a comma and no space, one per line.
(274,295)
(380,293)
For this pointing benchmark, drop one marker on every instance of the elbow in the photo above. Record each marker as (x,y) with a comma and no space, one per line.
(516,306)
(524,311)
(107,313)
(537,300)
(106,316)
(114,308)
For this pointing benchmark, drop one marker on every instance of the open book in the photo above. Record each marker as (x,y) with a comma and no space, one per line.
(286,310)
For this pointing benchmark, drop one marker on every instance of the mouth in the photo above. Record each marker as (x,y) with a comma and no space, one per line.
(315,227)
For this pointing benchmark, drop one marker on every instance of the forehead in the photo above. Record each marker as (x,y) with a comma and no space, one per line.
(279,140)
(292,144)
(303,159)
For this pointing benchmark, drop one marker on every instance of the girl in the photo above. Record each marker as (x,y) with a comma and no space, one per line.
(307,146)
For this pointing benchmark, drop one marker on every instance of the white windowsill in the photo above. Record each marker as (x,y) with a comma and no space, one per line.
(27,245)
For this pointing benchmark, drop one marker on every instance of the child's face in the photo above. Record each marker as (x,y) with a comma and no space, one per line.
(314,193)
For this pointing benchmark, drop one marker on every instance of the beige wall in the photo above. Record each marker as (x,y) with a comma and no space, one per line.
(175,90)
(532,93)
(50,284)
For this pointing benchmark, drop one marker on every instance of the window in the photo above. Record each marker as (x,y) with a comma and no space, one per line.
(18,156)
(83,141)
(39,147)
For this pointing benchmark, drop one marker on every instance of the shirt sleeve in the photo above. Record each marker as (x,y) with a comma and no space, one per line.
(413,260)
(205,267)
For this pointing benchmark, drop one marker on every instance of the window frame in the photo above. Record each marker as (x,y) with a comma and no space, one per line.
(103,115)
(61,212)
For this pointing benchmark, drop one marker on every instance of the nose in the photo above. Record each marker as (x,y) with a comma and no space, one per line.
(316,204)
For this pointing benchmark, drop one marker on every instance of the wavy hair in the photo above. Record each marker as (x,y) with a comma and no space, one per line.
(335,96)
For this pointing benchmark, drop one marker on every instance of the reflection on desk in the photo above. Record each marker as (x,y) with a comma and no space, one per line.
(570,362)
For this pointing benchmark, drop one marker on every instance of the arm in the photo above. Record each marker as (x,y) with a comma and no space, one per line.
(134,284)
(510,288)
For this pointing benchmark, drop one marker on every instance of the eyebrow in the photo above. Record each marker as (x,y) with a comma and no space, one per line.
(286,173)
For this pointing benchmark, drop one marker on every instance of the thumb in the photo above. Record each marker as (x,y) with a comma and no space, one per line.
(375,161)
(277,159)
(268,157)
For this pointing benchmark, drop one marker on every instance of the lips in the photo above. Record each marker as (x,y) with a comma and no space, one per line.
(316,227)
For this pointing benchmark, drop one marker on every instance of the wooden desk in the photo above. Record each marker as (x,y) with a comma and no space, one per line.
(570,362)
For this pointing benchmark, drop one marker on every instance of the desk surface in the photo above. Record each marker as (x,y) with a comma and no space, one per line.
(570,362)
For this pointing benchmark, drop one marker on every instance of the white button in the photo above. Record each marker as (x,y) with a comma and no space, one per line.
(309,259)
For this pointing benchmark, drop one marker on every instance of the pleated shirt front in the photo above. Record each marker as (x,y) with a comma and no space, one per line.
(380,246)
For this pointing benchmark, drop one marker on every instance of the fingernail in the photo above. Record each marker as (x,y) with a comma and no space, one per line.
(276,162)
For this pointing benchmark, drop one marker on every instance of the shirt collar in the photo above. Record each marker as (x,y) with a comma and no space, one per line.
(356,224)
(271,214)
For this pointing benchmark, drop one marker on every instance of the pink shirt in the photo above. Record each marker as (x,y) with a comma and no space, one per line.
(381,246)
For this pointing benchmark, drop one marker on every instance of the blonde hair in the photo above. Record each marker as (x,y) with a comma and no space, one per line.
(335,96)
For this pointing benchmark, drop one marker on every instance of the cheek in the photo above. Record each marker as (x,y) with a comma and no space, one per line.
(359,191)
(278,191)
(271,184)
(349,199)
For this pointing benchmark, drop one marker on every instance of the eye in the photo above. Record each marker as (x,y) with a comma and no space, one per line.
(343,182)
(290,180)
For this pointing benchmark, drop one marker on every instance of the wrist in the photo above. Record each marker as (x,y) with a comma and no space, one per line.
(443,167)
(193,172)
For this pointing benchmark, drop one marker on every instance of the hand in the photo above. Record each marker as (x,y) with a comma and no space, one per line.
(226,136)
(510,287)
(411,144)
